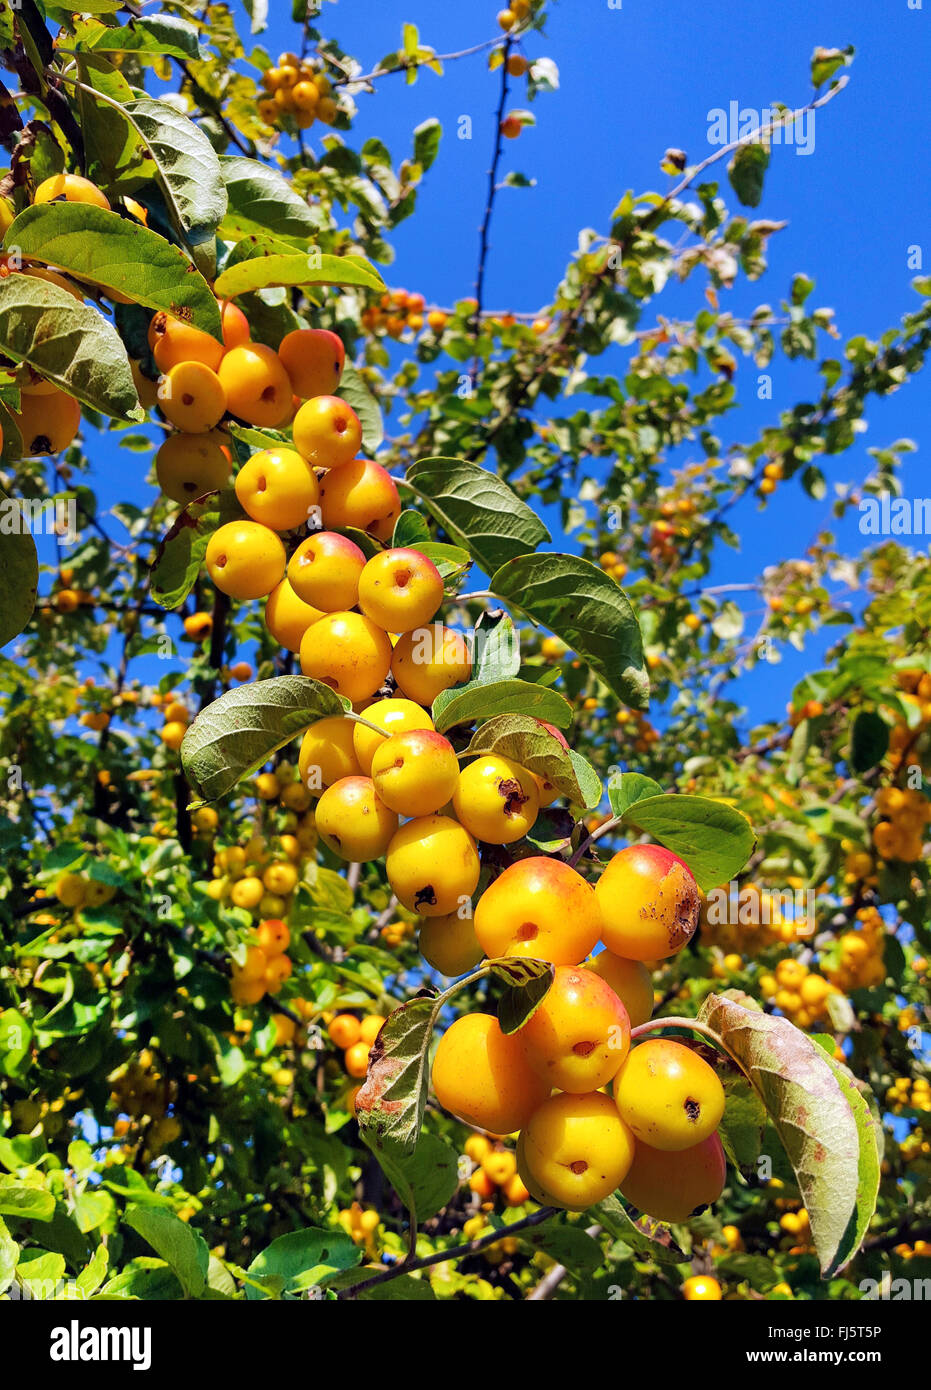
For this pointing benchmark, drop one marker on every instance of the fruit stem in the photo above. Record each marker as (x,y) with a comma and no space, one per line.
(653,1025)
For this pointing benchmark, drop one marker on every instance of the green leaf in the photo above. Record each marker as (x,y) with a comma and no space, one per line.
(18,1199)
(585,607)
(424,1178)
(305,268)
(869,740)
(184,1250)
(406,1288)
(261,200)
(744,1122)
(746,171)
(466,703)
(119,254)
(588,780)
(181,553)
(353,390)
(240,731)
(156,34)
(715,840)
(19,582)
(410,529)
(303,1260)
(92,1208)
(94,1273)
(572,1247)
(828,1135)
(187,170)
(519,1002)
(495,649)
(9,1254)
(613,1216)
(427,142)
(477,509)
(629,787)
(67,342)
(826,61)
(527,742)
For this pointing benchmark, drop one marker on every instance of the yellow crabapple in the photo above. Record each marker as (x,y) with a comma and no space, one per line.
(668,1095)
(416,772)
(192,398)
(173,341)
(400,589)
(432,865)
(344,1030)
(579,1035)
(278,488)
(47,423)
(347,652)
(189,465)
(245,559)
(449,944)
(631,982)
(257,387)
(360,494)
(73,189)
(672,1186)
(370,1027)
(327,753)
(327,432)
(541,908)
(394,716)
(429,660)
(353,822)
(324,570)
(481,1076)
(649,901)
(576,1149)
(288,617)
(496,799)
(313,357)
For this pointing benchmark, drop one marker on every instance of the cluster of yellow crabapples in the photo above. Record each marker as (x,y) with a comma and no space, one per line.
(654,1135)
(298,91)
(265,965)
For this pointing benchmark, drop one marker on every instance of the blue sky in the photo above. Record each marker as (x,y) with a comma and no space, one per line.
(633,81)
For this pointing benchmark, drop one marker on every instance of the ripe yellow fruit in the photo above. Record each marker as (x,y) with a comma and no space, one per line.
(433,865)
(360,494)
(400,589)
(172,734)
(47,423)
(328,754)
(701,1287)
(189,465)
(72,188)
(325,571)
(353,822)
(288,617)
(449,944)
(395,717)
(576,1149)
(348,652)
(415,773)
(247,892)
(192,397)
(173,341)
(277,488)
(631,982)
(668,1095)
(327,432)
(541,908)
(245,559)
(496,800)
(70,890)
(480,1075)
(256,385)
(429,660)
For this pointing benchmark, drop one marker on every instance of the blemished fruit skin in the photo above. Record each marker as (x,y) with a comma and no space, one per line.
(288,617)
(327,754)
(327,432)
(429,660)
(47,423)
(325,571)
(400,589)
(278,488)
(668,1095)
(192,398)
(481,1076)
(541,908)
(416,772)
(362,495)
(314,359)
(649,901)
(631,982)
(433,865)
(353,822)
(245,559)
(449,944)
(579,1035)
(348,652)
(674,1186)
(496,800)
(189,465)
(258,389)
(575,1149)
(395,717)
